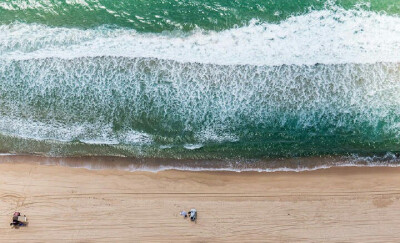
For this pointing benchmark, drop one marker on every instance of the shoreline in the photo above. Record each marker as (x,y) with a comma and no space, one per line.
(76,204)
(300,164)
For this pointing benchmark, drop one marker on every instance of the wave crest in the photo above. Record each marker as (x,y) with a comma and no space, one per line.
(326,36)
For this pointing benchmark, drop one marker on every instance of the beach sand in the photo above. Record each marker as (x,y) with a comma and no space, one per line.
(79,205)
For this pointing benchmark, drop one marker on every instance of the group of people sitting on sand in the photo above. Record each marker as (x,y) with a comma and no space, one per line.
(192,214)
(18,220)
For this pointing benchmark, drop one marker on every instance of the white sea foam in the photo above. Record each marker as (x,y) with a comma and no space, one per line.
(211,103)
(135,137)
(387,160)
(325,36)
(55,131)
(7,154)
(193,146)
(134,168)
(265,170)
(165,146)
(210,135)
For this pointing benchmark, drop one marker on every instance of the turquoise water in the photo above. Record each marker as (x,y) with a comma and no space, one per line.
(202,80)
(172,15)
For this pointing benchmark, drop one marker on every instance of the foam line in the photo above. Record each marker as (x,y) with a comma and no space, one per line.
(325,36)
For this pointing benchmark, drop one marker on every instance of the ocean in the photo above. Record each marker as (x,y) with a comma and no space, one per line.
(218,85)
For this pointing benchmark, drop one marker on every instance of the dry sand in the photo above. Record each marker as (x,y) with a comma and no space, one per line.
(79,205)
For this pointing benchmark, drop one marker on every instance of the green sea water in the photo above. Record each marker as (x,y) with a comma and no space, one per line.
(207,80)
(170,15)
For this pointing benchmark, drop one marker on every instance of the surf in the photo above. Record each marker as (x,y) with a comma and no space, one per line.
(245,110)
(329,37)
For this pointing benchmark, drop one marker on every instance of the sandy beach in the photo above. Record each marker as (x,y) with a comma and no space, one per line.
(79,205)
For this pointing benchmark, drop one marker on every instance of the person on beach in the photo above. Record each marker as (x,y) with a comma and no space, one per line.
(184,214)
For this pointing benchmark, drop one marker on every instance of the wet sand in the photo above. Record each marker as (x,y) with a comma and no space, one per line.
(79,205)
